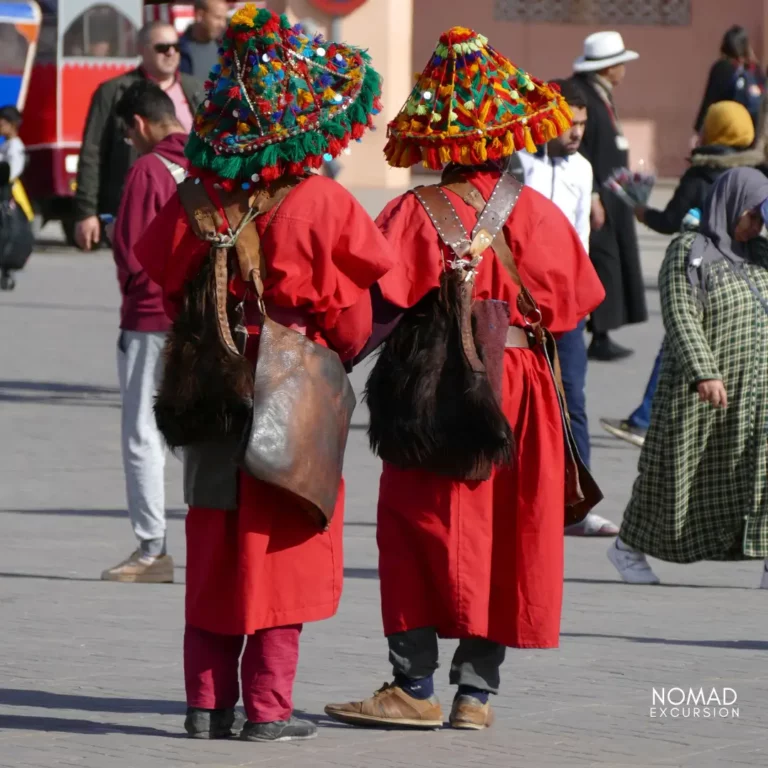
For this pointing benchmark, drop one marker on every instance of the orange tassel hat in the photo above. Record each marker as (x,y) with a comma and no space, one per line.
(470,105)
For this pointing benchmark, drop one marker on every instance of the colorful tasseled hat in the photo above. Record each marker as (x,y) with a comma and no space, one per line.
(279,101)
(471,105)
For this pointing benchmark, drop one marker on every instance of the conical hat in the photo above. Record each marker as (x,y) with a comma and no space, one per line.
(470,105)
(279,100)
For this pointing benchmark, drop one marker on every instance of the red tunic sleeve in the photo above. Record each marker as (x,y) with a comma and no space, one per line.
(417,249)
(552,262)
(323,251)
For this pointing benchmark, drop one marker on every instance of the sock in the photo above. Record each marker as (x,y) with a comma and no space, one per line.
(419,689)
(475,693)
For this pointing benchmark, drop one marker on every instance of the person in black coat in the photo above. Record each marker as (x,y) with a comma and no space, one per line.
(727,135)
(735,76)
(613,243)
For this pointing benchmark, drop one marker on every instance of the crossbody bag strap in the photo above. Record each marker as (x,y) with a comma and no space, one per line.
(492,215)
(207,223)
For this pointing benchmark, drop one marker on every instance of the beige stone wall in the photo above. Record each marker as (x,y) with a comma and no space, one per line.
(661,95)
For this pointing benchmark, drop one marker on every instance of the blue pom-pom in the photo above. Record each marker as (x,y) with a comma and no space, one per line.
(246,185)
(327,157)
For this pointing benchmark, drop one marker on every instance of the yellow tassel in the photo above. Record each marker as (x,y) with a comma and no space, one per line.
(445,155)
(560,120)
(480,150)
(485,110)
(530,145)
(508,144)
(466,157)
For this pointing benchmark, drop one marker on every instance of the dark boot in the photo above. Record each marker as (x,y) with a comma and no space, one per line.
(209,723)
(280,730)
(605,350)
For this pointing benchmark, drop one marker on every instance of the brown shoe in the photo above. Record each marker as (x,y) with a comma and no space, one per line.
(391,706)
(140,569)
(469,714)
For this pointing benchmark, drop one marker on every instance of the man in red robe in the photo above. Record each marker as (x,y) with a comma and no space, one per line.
(480,561)
(278,102)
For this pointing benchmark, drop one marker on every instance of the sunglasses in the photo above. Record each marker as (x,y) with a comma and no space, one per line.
(166,47)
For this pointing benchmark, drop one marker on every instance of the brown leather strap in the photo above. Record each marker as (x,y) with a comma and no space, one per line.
(517,338)
(444,217)
(206,222)
(504,198)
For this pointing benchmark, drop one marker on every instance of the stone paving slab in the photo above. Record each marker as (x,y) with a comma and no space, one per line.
(90,673)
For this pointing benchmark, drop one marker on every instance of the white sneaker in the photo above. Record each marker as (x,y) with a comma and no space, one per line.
(631,565)
(764,580)
(593,525)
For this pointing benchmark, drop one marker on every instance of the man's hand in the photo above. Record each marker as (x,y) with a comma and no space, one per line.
(713,392)
(88,233)
(597,214)
(640,213)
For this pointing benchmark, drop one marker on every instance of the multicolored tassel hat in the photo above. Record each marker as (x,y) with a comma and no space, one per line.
(280,101)
(471,105)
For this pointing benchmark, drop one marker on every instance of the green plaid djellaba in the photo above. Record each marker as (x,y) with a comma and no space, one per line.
(701,489)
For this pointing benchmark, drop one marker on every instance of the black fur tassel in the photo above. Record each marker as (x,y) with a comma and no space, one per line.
(206,391)
(428,408)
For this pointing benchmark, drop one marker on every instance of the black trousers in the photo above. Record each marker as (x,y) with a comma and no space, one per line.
(476,662)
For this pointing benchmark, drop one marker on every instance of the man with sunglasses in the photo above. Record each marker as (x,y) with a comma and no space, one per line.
(105,157)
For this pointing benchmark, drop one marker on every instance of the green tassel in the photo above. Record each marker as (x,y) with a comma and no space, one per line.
(294,149)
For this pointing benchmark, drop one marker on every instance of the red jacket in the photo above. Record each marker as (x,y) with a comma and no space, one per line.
(148,187)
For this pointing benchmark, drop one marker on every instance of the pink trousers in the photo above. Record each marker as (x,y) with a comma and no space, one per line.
(268,670)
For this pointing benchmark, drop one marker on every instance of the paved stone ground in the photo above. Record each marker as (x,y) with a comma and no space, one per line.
(90,673)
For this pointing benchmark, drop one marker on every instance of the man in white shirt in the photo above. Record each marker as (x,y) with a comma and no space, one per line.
(560,173)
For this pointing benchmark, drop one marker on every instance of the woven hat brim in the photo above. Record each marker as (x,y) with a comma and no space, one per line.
(330,137)
(583,64)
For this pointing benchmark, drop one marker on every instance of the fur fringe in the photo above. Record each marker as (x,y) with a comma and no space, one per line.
(206,392)
(428,409)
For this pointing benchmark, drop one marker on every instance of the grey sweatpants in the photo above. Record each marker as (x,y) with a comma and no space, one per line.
(139,367)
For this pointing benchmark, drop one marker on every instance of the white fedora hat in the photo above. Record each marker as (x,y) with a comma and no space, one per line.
(603,50)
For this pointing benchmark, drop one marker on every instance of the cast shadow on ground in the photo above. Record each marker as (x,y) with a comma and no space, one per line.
(616,581)
(58,393)
(735,645)
(173,514)
(361,573)
(67,725)
(22,697)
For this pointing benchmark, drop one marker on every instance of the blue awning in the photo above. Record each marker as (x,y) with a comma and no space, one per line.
(19,12)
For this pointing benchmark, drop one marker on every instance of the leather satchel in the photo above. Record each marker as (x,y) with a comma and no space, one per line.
(302,400)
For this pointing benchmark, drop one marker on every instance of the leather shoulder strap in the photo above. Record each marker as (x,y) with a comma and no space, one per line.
(203,216)
(444,217)
(492,215)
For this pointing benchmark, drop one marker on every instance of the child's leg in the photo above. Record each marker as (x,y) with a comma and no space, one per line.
(210,668)
(269,669)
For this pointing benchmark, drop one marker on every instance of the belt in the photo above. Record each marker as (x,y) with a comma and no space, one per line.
(517,338)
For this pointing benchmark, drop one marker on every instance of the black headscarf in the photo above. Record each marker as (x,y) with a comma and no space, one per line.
(735,192)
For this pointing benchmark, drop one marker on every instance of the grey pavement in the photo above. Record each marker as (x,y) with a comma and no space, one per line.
(91,672)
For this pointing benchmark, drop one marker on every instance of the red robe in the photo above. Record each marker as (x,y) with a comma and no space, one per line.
(267,565)
(485,559)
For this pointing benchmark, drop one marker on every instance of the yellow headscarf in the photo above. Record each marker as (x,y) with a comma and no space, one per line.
(729,124)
